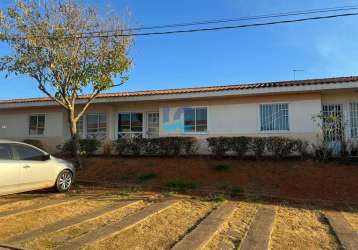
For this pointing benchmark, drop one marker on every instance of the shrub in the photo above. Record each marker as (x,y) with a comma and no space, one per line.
(36,143)
(152,147)
(135,146)
(323,153)
(219,146)
(240,145)
(258,146)
(236,191)
(147,177)
(281,147)
(216,198)
(121,146)
(301,147)
(221,167)
(170,146)
(190,145)
(87,146)
(163,146)
(107,149)
(181,185)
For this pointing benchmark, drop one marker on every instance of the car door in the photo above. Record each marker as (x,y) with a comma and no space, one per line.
(36,171)
(10,171)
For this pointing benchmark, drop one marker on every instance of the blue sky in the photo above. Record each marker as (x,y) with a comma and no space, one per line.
(322,48)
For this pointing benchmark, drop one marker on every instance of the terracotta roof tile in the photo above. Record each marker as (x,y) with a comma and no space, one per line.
(203,89)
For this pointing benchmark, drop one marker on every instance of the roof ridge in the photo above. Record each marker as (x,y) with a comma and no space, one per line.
(286,83)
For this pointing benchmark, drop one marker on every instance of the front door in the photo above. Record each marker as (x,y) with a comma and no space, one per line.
(9,171)
(153,124)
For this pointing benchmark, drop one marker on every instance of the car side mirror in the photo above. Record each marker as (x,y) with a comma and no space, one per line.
(46,157)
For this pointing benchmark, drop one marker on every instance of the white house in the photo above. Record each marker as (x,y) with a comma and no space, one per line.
(261,109)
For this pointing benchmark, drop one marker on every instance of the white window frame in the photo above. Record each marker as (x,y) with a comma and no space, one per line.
(283,131)
(131,134)
(147,122)
(98,125)
(37,127)
(207,121)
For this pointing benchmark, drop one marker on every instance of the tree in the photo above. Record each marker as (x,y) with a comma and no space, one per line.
(68,49)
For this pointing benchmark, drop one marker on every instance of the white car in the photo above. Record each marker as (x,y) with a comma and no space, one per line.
(24,167)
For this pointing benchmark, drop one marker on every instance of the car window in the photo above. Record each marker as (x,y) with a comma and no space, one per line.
(27,153)
(5,152)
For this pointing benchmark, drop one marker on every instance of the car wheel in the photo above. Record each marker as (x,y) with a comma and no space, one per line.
(64,181)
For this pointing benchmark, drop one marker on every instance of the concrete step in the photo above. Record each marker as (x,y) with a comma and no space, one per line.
(48,204)
(115,228)
(68,222)
(10,247)
(343,230)
(258,236)
(206,230)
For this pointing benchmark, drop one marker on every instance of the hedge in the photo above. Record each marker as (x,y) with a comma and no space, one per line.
(87,147)
(162,146)
(279,147)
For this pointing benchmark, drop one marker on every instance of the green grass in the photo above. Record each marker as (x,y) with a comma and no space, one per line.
(236,191)
(221,167)
(181,185)
(147,177)
(216,198)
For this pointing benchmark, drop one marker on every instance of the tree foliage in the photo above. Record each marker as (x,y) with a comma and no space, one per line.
(65,48)
(69,49)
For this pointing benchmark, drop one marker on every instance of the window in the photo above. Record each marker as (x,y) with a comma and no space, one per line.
(333,122)
(130,124)
(195,120)
(37,125)
(354,119)
(274,117)
(153,124)
(5,152)
(97,126)
(26,153)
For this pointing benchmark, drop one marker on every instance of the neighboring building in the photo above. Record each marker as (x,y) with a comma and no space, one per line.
(263,109)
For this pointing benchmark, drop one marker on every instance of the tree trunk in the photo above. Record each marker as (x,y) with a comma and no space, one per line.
(75,139)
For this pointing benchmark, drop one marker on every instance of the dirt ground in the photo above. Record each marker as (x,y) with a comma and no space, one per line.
(296,226)
(308,180)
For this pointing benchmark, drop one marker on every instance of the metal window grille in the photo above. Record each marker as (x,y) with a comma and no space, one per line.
(333,122)
(274,117)
(354,119)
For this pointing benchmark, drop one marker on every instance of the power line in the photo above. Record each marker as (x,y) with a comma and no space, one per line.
(248,18)
(239,19)
(229,27)
(83,35)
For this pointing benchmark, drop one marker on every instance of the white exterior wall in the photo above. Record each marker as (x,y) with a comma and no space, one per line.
(15,126)
(240,116)
(227,116)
